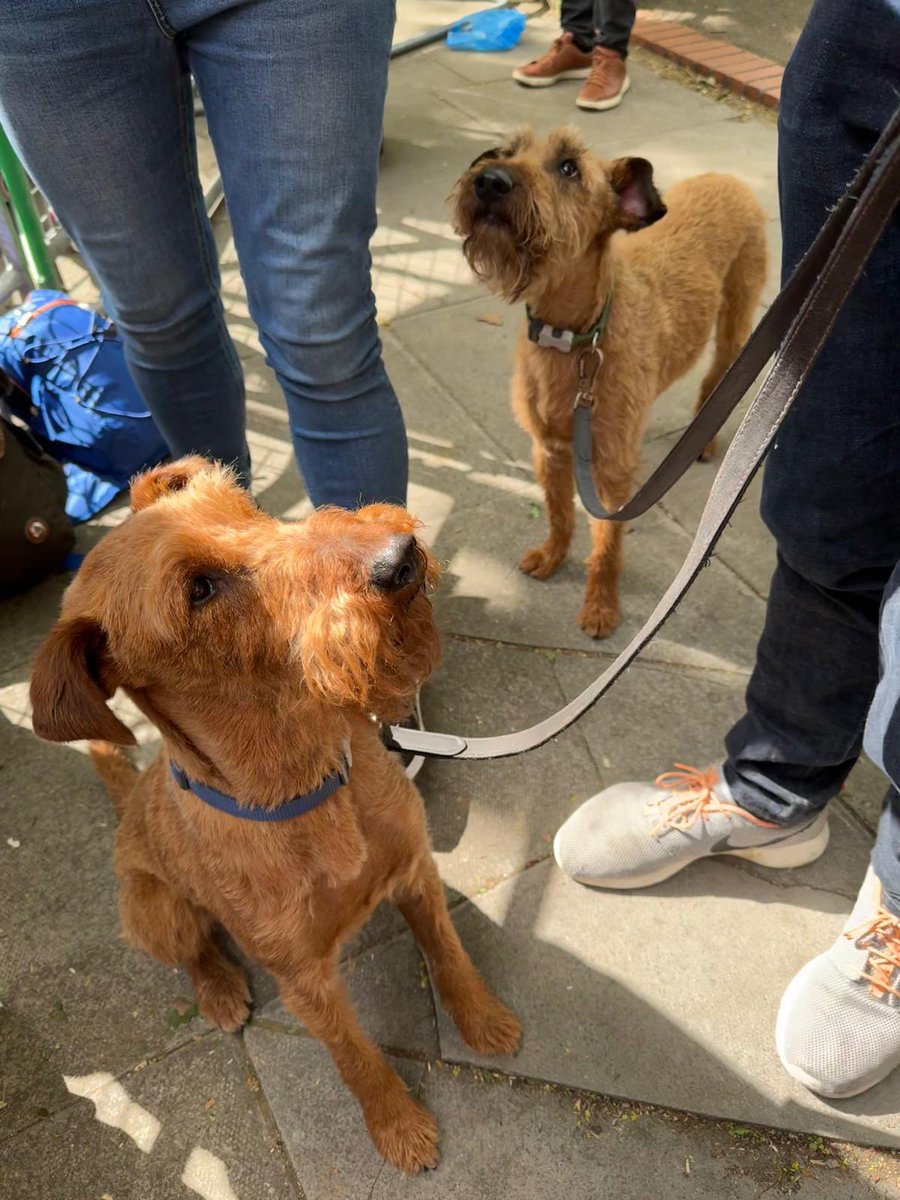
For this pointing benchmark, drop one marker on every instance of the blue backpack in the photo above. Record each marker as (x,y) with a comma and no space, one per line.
(72,388)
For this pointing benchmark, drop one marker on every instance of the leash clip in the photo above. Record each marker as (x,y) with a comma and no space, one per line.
(587,374)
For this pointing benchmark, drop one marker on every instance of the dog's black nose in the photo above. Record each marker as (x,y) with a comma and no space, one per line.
(493,184)
(398,564)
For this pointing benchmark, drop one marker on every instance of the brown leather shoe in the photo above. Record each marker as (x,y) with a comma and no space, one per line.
(607,82)
(562,61)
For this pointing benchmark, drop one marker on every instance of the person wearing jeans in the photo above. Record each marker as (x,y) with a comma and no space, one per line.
(593,46)
(96,98)
(831,498)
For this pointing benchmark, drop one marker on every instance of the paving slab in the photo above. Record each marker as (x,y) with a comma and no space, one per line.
(319,1120)
(73,995)
(611,985)
(489,820)
(653,107)
(506,1139)
(768,29)
(389,988)
(485,595)
(199,1129)
(26,619)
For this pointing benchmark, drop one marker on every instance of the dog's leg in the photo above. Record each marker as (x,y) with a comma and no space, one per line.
(485,1024)
(554,471)
(600,613)
(740,296)
(179,934)
(403,1131)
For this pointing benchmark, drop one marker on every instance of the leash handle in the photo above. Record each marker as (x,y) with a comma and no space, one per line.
(827,281)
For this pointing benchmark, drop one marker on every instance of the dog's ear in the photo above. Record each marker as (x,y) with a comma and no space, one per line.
(70,686)
(152,485)
(640,203)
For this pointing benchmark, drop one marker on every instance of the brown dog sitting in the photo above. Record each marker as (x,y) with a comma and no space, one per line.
(259,649)
(539,219)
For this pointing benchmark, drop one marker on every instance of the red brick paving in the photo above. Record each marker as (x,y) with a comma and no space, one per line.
(743,73)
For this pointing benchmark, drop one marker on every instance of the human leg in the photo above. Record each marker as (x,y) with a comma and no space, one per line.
(117,161)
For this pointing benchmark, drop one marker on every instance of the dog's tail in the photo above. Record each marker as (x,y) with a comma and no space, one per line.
(116,770)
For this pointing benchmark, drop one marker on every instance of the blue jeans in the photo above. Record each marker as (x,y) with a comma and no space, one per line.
(96,97)
(882,743)
(831,493)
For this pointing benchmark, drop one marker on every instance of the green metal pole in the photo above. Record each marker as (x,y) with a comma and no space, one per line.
(37,257)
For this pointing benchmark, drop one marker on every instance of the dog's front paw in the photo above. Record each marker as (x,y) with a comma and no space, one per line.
(406,1134)
(490,1028)
(598,621)
(541,562)
(224,998)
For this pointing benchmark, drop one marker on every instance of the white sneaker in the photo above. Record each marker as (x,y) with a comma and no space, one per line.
(637,834)
(838,1028)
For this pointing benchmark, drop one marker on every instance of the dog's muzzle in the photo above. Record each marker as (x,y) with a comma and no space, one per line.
(493,185)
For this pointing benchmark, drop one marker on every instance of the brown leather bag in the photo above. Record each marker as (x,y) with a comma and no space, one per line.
(35,533)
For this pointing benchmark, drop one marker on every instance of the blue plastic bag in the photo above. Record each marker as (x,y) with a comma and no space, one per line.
(72,388)
(492,29)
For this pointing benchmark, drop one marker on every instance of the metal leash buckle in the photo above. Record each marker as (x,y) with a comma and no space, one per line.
(587,376)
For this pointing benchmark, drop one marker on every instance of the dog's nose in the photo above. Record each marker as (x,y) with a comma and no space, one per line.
(398,564)
(493,184)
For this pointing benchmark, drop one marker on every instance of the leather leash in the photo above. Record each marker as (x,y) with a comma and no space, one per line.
(796,325)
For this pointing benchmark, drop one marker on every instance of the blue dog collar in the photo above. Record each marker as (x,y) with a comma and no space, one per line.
(294,808)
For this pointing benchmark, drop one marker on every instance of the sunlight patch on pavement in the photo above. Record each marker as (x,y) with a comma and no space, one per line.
(113,1106)
(207,1175)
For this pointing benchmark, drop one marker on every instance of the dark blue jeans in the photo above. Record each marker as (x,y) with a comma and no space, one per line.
(599,23)
(96,96)
(831,492)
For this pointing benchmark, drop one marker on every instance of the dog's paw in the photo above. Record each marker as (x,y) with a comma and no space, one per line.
(226,1002)
(599,621)
(406,1135)
(490,1029)
(708,451)
(540,563)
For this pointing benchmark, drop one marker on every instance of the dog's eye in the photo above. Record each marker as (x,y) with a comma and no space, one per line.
(202,589)
(569,168)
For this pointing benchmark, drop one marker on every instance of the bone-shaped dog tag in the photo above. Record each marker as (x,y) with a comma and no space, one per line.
(555,339)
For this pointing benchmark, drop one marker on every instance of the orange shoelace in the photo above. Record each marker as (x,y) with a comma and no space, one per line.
(880,935)
(693,796)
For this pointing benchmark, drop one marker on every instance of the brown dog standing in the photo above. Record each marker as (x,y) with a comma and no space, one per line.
(259,649)
(539,218)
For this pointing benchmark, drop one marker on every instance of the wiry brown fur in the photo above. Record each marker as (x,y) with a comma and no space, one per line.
(556,242)
(254,693)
